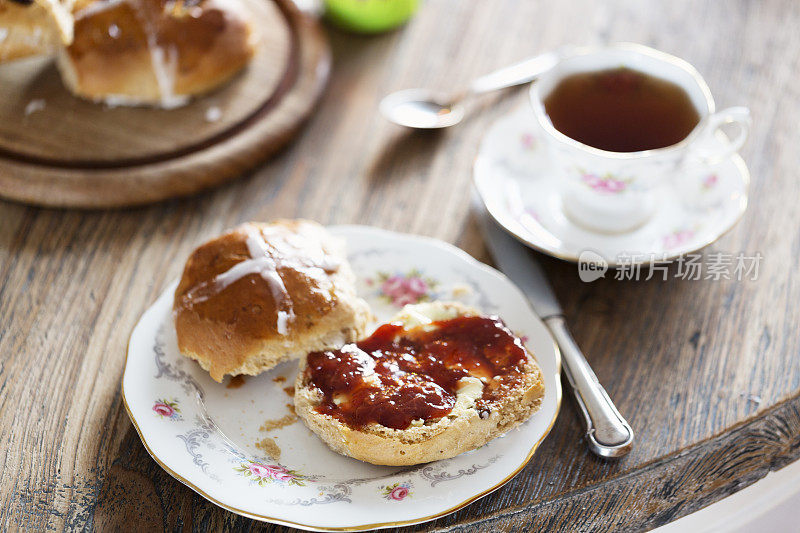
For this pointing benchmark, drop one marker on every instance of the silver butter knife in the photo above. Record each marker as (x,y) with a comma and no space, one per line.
(607,432)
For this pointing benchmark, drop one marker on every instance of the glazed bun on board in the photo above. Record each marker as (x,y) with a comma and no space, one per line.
(33,27)
(155,52)
(265,293)
(437,381)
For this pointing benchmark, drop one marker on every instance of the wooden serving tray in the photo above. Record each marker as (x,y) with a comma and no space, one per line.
(73,153)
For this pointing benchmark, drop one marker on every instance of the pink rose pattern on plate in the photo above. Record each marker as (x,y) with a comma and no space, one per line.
(709,182)
(531,212)
(397,492)
(528,141)
(607,183)
(167,409)
(676,238)
(401,289)
(264,474)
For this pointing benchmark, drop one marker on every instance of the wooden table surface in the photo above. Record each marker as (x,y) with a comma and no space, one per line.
(707,372)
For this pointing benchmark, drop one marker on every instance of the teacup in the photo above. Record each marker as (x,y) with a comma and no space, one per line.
(613,192)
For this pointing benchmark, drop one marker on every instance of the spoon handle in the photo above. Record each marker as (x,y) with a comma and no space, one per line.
(517,74)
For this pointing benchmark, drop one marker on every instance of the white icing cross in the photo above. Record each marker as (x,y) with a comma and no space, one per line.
(261,262)
(265,260)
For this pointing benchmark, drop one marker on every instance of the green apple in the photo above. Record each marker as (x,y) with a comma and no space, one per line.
(369,16)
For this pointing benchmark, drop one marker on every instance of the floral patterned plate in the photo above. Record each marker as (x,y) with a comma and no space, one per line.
(521,191)
(239,444)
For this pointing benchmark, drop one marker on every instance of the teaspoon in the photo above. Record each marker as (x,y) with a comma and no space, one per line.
(424,109)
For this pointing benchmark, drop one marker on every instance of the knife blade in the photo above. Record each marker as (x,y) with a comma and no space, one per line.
(608,434)
(515,260)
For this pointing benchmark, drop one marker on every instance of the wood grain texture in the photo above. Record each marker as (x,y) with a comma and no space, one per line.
(707,372)
(74,153)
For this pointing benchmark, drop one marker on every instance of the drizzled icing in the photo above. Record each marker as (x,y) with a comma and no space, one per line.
(165,63)
(262,262)
(96,7)
(266,260)
(163,60)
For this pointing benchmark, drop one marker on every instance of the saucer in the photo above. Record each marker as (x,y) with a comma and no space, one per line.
(240,446)
(516,181)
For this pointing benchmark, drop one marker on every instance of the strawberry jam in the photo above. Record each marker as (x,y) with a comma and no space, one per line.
(396,376)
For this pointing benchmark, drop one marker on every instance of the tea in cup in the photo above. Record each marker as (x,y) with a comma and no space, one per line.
(619,119)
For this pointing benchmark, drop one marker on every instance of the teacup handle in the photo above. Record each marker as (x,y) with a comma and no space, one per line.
(732,115)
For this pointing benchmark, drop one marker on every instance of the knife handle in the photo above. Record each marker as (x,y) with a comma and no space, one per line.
(607,432)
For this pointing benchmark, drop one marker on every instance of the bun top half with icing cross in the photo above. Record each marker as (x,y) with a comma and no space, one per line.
(262,293)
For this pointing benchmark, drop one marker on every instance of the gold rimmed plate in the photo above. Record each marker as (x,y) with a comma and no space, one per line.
(239,445)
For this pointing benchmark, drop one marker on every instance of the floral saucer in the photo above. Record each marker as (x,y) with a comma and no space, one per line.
(516,182)
(240,445)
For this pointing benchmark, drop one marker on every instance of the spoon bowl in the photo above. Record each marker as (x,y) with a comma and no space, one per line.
(421,109)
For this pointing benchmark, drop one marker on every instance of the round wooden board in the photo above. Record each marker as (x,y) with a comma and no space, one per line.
(73,153)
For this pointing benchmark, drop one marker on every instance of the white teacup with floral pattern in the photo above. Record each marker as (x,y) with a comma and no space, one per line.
(613,192)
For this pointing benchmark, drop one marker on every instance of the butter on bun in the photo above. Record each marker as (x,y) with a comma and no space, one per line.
(155,52)
(265,293)
(437,381)
(32,27)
